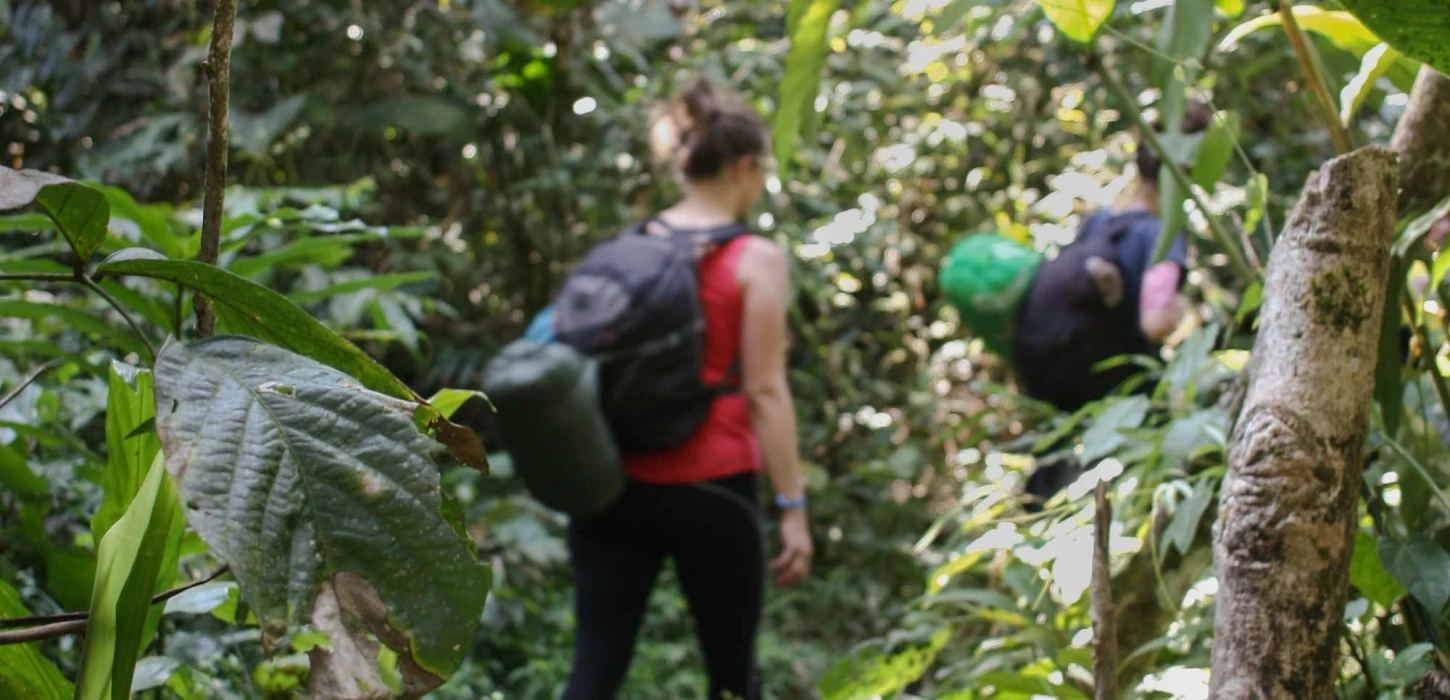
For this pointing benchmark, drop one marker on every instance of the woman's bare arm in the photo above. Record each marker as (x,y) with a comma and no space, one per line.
(764,275)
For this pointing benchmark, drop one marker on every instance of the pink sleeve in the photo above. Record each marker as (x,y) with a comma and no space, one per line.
(1160,286)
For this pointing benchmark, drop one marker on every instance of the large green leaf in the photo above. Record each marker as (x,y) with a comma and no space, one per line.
(808,22)
(296,475)
(25,674)
(1078,19)
(247,307)
(129,559)
(80,212)
(1421,565)
(1419,29)
(1216,150)
(1368,573)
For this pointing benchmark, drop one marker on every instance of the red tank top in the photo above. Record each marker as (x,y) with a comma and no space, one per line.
(724,444)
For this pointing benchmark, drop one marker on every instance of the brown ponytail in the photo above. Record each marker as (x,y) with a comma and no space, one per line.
(706,129)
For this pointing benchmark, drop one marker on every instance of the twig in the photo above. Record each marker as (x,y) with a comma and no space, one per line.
(1221,235)
(1105,622)
(50,631)
(1337,132)
(219,72)
(116,304)
(39,627)
(27,381)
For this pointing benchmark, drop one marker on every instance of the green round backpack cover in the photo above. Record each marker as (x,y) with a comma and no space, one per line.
(546,397)
(986,277)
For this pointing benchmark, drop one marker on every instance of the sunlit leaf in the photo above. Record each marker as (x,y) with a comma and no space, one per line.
(1342,28)
(1230,8)
(343,483)
(1216,150)
(1078,19)
(1375,64)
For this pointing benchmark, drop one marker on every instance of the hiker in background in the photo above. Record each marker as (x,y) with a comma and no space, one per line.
(695,502)
(1102,296)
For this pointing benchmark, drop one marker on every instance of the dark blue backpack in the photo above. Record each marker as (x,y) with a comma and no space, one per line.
(633,305)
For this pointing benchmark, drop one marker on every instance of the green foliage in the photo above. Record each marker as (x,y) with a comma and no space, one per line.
(1414,27)
(79,212)
(244,306)
(339,461)
(129,559)
(808,22)
(25,674)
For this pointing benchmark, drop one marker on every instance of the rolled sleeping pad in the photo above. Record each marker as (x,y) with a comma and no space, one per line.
(548,411)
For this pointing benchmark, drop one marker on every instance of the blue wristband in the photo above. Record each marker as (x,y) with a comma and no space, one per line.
(784,503)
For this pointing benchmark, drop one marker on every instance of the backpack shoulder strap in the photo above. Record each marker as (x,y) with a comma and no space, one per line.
(698,241)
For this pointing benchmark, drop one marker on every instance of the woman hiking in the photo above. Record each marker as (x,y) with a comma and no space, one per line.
(697,504)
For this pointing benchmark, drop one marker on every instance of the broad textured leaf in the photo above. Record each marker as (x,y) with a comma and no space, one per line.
(1419,29)
(79,211)
(809,22)
(1368,573)
(1103,437)
(1374,65)
(1078,19)
(296,475)
(25,674)
(262,313)
(128,561)
(1421,565)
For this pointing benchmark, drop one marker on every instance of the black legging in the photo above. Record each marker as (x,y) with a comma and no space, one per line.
(711,530)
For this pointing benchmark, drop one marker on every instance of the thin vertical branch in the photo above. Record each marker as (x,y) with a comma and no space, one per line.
(1315,77)
(219,73)
(1105,614)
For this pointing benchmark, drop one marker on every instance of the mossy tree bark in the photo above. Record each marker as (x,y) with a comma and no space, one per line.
(1286,522)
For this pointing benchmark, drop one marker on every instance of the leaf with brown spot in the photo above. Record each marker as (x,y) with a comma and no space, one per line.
(301,488)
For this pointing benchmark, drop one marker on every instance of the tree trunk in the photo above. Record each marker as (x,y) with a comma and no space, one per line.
(1286,523)
(1420,138)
